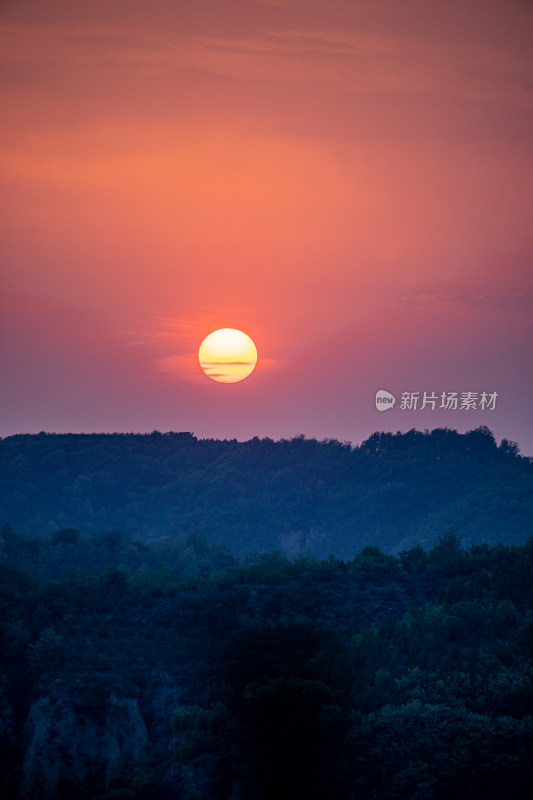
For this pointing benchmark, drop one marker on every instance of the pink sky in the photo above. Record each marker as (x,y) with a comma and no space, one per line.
(347,181)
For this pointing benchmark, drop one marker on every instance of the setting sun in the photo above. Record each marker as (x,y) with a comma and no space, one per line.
(227,355)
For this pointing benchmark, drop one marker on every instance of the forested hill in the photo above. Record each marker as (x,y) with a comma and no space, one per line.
(299,495)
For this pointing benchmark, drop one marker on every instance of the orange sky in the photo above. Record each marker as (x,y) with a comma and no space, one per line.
(349,182)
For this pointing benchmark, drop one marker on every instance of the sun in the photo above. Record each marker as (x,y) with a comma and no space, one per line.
(227,355)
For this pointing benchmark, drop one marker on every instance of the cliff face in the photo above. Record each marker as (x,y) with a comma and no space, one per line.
(74,749)
(7,720)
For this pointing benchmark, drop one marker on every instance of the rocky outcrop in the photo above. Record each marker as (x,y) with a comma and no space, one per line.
(8,741)
(74,749)
(7,715)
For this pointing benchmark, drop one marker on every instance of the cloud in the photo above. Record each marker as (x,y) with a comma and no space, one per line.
(505,302)
(180,367)
(330,71)
(218,363)
(186,367)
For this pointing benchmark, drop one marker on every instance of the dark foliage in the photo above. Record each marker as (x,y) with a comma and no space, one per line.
(297,495)
(376,677)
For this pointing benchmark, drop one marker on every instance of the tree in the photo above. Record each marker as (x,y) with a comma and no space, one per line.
(47,653)
(447,550)
(66,536)
(413,560)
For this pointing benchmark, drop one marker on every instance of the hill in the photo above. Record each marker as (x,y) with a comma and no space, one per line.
(298,495)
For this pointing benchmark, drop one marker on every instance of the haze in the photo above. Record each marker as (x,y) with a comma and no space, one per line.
(347,182)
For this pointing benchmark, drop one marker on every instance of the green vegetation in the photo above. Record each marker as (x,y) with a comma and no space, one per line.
(378,676)
(230,620)
(298,495)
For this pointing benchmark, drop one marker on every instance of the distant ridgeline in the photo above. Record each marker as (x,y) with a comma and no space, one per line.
(297,495)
